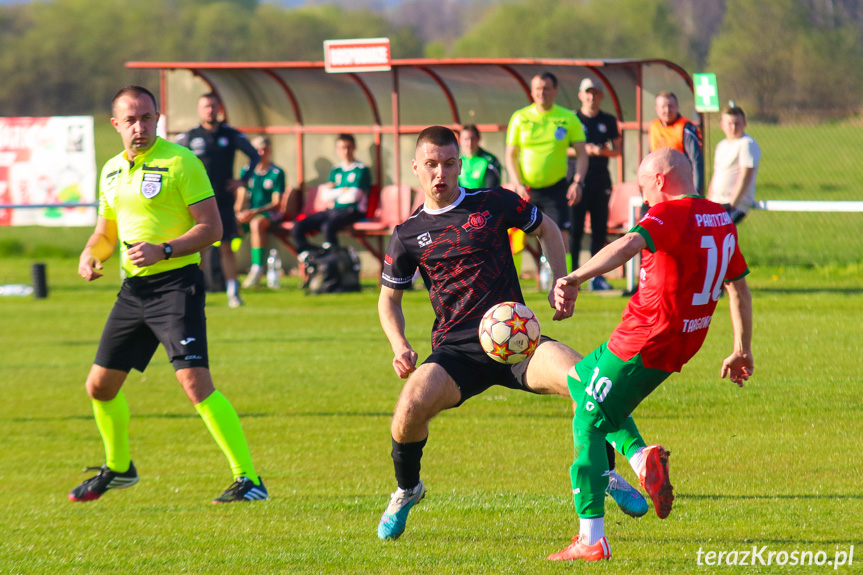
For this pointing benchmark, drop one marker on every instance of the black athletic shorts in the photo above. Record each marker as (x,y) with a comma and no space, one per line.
(473,371)
(552,202)
(166,308)
(225,203)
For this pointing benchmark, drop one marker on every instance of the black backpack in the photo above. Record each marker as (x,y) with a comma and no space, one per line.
(336,270)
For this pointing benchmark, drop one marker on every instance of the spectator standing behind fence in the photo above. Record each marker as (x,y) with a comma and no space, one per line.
(603,142)
(735,166)
(671,130)
(537,140)
(347,191)
(257,203)
(215,143)
(479,168)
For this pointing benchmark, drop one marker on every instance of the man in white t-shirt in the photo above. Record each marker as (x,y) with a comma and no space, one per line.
(735,166)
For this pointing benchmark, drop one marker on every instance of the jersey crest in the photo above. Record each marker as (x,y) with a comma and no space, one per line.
(477,221)
(198,146)
(151,185)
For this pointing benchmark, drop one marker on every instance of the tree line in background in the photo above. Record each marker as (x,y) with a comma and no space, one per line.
(774,57)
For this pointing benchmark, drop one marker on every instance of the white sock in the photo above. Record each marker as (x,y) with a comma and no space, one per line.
(637,461)
(232,286)
(591,530)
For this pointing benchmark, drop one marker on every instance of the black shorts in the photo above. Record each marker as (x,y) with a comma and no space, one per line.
(736,215)
(166,308)
(473,371)
(552,202)
(225,202)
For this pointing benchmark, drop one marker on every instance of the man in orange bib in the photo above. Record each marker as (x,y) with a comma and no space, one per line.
(671,130)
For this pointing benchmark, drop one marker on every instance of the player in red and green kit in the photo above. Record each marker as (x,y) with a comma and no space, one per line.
(689,250)
(257,203)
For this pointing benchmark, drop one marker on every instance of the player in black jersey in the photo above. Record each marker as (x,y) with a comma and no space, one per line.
(216,144)
(459,242)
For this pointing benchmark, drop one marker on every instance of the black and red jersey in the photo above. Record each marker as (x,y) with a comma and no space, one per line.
(216,150)
(463,249)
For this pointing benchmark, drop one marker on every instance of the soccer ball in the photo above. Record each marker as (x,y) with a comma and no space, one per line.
(509,332)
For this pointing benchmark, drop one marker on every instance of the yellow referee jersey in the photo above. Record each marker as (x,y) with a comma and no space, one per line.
(149,199)
(543,138)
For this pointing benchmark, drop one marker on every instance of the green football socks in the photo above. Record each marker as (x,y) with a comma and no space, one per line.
(587,473)
(626,440)
(222,420)
(112,419)
(258,256)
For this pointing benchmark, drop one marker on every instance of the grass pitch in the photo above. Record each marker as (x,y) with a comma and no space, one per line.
(774,464)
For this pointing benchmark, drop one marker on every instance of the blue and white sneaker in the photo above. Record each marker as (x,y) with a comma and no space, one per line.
(625,495)
(392,523)
(244,489)
(599,283)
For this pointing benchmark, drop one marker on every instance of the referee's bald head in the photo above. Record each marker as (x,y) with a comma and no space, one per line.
(135,92)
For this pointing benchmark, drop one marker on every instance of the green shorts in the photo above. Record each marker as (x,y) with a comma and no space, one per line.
(610,388)
(272,215)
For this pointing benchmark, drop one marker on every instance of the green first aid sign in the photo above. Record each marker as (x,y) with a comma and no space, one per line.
(706,93)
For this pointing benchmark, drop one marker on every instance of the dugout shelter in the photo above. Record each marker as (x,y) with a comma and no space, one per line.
(302,107)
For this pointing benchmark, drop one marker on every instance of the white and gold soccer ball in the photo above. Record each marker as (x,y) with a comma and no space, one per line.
(509,332)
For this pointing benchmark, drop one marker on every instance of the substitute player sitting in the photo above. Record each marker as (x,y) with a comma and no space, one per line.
(346,194)
(459,242)
(257,203)
(689,250)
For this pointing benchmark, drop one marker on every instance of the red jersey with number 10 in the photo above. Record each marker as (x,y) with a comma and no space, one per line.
(691,249)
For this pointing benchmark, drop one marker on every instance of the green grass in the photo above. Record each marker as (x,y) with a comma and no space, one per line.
(804,162)
(106,139)
(818,240)
(808,162)
(775,463)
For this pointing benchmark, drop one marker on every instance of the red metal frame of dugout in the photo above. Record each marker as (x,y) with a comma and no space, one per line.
(426,66)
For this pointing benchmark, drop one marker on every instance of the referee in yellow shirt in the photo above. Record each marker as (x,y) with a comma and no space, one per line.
(155,198)
(537,139)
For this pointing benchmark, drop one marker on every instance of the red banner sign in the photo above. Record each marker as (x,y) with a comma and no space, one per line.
(45,162)
(362,55)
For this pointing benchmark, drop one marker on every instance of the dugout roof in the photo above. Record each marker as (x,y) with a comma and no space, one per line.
(302,107)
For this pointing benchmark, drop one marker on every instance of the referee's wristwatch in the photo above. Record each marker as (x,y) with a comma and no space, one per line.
(168,250)
(580,183)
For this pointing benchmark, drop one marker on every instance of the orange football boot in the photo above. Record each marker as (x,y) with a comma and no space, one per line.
(655,480)
(578,550)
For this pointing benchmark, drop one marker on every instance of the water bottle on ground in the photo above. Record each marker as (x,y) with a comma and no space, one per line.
(274,269)
(15,290)
(544,274)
